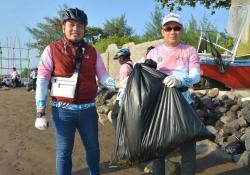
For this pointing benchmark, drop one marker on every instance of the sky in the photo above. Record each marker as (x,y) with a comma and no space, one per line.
(15,15)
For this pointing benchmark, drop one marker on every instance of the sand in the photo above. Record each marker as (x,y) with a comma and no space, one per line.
(24,150)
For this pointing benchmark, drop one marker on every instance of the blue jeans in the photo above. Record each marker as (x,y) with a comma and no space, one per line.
(66,122)
(188,160)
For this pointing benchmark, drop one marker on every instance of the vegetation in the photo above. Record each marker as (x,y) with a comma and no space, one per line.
(210,4)
(190,33)
(25,73)
(117,30)
(45,33)
(153,28)
(102,44)
(117,26)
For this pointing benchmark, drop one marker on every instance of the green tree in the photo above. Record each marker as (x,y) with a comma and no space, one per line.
(93,34)
(25,73)
(117,26)
(153,28)
(205,24)
(211,32)
(45,33)
(226,41)
(102,44)
(210,4)
(190,33)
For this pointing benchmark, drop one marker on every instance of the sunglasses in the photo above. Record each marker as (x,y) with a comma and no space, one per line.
(169,29)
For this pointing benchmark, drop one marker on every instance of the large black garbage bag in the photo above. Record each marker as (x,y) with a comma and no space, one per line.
(153,119)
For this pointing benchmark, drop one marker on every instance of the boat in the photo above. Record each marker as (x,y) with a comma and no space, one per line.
(221,67)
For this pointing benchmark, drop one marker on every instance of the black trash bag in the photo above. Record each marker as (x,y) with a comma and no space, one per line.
(153,119)
(150,63)
(236,147)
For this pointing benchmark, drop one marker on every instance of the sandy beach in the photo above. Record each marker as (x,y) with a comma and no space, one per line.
(24,150)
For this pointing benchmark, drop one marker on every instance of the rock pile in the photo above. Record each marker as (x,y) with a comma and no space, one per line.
(105,101)
(226,117)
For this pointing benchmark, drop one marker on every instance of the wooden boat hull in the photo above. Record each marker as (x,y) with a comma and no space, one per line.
(237,75)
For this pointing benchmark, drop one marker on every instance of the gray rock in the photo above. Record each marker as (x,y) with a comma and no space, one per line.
(110,104)
(217,102)
(198,94)
(231,139)
(206,146)
(218,125)
(244,159)
(99,100)
(226,119)
(247,140)
(228,103)
(238,134)
(224,97)
(103,119)
(213,117)
(212,129)
(233,125)
(213,92)
(172,168)
(242,122)
(220,137)
(245,104)
(100,110)
(235,108)
(237,99)
(201,113)
(228,130)
(245,112)
(103,110)
(220,109)
(207,102)
(231,114)
(243,137)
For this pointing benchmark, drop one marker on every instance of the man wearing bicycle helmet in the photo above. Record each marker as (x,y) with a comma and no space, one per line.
(71,66)
(123,56)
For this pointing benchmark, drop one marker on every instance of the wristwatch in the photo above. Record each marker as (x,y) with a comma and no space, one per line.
(39,114)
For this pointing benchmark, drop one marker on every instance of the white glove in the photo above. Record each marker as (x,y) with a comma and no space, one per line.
(172,82)
(42,123)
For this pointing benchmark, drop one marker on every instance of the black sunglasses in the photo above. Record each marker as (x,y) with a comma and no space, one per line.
(169,29)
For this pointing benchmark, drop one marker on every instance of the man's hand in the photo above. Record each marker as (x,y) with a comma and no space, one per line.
(170,81)
(42,122)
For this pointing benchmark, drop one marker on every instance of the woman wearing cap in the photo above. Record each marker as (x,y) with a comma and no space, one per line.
(72,66)
(181,63)
(123,56)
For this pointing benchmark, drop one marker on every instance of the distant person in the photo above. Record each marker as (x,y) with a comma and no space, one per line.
(33,78)
(71,65)
(149,48)
(123,56)
(6,82)
(147,51)
(181,63)
(15,77)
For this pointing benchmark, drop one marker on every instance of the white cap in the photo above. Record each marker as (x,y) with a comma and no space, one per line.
(171,17)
